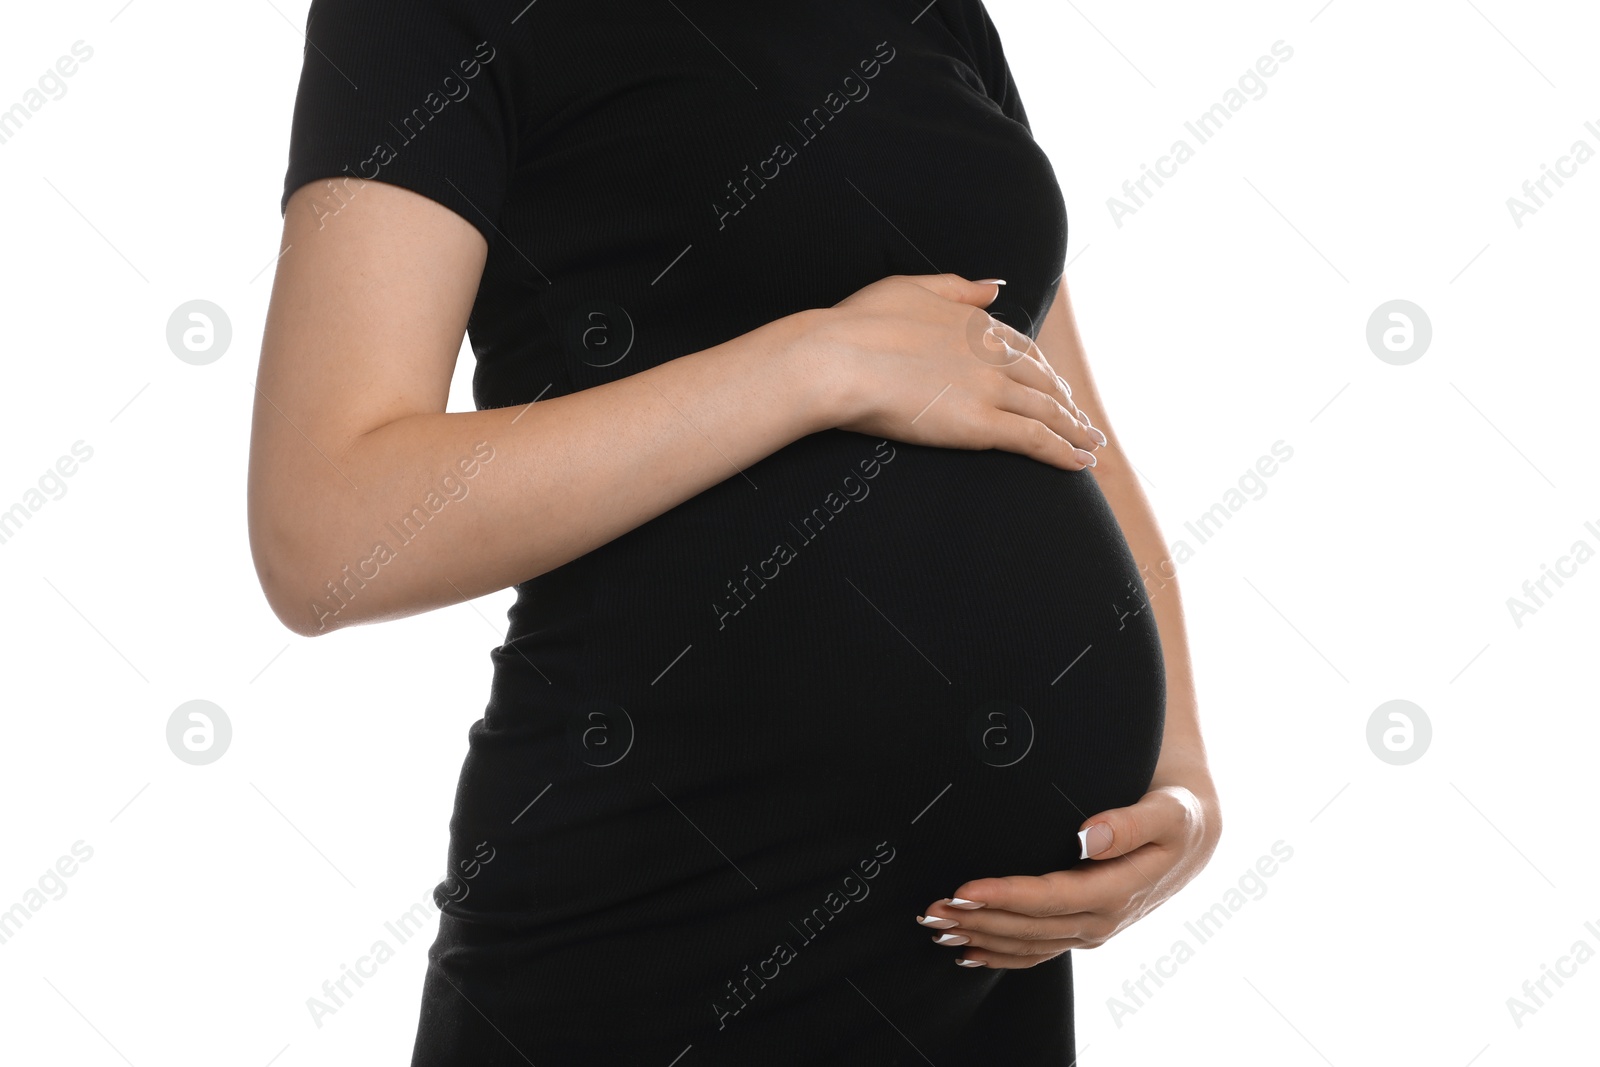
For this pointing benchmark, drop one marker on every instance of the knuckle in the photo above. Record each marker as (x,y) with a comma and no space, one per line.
(1040,436)
(1005,391)
(991,432)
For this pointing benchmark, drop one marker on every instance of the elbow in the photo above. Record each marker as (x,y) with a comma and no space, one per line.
(282,575)
(297,612)
(287,519)
(286,594)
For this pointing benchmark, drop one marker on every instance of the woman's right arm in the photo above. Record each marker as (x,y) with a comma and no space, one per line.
(350,432)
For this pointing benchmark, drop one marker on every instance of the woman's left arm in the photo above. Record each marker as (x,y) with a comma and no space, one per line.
(1149,850)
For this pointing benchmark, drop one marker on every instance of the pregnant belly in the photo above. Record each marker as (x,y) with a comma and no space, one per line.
(900,616)
(853,650)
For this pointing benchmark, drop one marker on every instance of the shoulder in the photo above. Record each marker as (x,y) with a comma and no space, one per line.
(968,21)
(378,13)
(379,36)
(427,94)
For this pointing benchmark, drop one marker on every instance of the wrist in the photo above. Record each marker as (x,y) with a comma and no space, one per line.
(819,378)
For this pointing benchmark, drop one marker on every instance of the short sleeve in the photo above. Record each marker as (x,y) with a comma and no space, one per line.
(414,93)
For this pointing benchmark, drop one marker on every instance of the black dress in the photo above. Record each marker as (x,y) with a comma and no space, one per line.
(730,756)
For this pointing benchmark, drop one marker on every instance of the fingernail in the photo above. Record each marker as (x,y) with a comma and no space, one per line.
(1094,840)
(992,281)
(957,902)
(936,922)
(1098,436)
(1086,458)
(951,939)
(970,963)
(1067,388)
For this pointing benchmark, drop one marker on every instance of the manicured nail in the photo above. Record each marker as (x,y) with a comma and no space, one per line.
(1086,458)
(957,902)
(1065,387)
(992,281)
(970,963)
(1098,436)
(951,939)
(1094,840)
(936,922)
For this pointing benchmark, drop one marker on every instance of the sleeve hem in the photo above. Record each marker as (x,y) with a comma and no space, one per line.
(418,178)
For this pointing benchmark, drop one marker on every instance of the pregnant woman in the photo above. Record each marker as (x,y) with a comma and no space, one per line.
(833,709)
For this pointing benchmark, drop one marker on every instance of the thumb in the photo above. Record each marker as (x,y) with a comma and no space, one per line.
(962,290)
(1112,833)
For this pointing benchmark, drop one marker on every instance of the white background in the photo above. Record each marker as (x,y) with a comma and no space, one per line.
(1228,313)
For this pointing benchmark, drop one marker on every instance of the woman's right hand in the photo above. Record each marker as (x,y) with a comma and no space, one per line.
(915,363)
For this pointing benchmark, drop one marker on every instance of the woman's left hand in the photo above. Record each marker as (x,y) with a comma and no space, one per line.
(1142,854)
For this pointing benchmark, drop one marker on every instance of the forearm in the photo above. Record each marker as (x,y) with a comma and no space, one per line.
(563,476)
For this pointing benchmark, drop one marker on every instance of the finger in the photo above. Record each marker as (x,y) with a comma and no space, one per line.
(1098,888)
(1052,894)
(1016,339)
(990,926)
(1028,436)
(999,349)
(1078,413)
(1100,439)
(1156,816)
(1007,347)
(1004,344)
(971,957)
(1023,399)
(1020,947)
(960,289)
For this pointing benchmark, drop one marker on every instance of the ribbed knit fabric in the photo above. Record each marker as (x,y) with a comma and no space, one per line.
(730,756)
